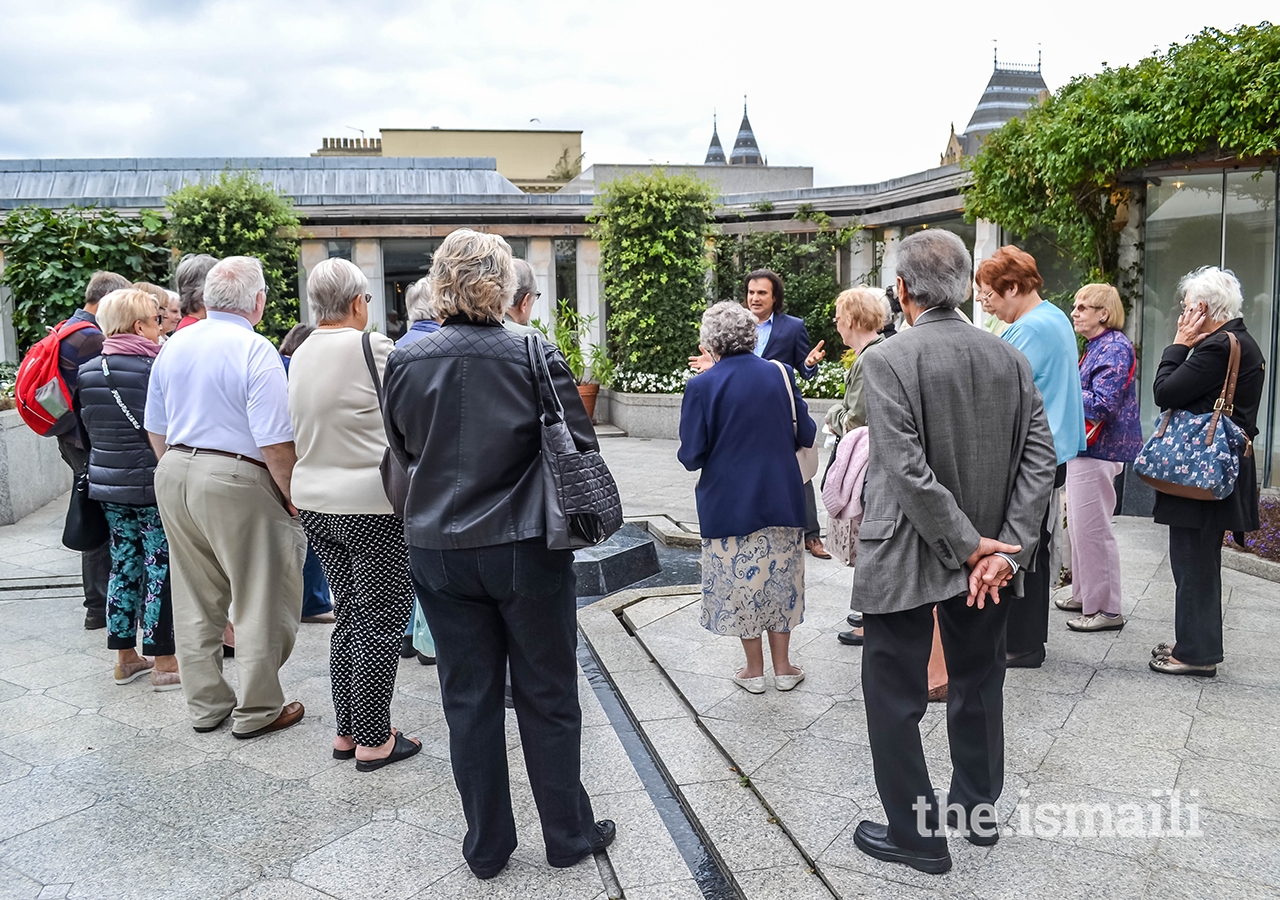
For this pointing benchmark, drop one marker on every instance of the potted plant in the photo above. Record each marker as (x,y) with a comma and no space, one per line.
(589,363)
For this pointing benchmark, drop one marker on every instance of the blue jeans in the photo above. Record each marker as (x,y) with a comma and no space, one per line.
(315,587)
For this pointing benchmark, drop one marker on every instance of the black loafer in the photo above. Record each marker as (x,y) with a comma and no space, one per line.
(978,840)
(1032,659)
(606,831)
(854,620)
(407,651)
(873,840)
(93,621)
(852,638)
(484,873)
(425,660)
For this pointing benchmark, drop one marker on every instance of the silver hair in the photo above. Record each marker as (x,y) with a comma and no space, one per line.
(332,285)
(936,269)
(233,284)
(728,328)
(472,276)
(189,281)
(526,283)
(1218,289)
(417,301)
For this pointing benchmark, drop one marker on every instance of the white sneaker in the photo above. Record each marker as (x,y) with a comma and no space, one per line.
(750,685)
(787,682)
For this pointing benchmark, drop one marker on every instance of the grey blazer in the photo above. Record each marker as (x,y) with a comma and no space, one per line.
(960,449)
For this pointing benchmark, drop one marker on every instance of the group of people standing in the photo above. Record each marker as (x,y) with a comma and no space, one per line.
(951,446)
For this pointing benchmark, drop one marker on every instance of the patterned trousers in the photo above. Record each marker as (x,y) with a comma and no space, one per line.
(367,564)
(138,590)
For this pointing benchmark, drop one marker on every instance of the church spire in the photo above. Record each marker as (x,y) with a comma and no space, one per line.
(715,152)
(745,150)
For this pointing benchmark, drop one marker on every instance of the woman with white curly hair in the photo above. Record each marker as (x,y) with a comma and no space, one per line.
(1190,376)
(736,426)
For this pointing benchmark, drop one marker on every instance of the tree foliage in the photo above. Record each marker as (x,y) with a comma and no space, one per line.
(50,255)
(653,231)
(239,215)
(807,264)
(1062,169)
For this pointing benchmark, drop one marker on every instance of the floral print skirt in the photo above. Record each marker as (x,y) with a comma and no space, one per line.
(753,583)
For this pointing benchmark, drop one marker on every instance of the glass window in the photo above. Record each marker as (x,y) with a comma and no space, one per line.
(968,233)
(1249,247)
(404,261)
(339,249)
(1183,232)
(519,247)
(567,272)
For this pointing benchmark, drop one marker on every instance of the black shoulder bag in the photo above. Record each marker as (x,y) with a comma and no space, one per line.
(395,479)
(581,499)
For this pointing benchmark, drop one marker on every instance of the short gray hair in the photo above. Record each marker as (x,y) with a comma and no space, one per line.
(1218,289)
(417,301)
(331,286)
(728,328)
(189,281)
(233,284)
(472,276)
(526,283)
(936,268)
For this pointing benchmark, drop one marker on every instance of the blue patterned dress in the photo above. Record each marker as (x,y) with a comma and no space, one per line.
(753,583)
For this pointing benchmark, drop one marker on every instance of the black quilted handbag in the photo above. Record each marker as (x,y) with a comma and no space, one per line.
(581,499)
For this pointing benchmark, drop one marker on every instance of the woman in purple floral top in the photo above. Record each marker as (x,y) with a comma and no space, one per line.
(1114,433)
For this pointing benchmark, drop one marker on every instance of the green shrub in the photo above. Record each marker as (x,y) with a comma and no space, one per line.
(653,232)
(50,254)
(239,215)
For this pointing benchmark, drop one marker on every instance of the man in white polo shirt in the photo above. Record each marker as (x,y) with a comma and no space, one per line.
(218,418)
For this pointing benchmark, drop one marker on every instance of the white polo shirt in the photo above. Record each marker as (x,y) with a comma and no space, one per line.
(219,385)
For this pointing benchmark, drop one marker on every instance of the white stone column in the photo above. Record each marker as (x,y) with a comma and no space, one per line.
(589,288)
(985,243)
(367,255)
(862,259)
(1129,262)
(889,264)
(310,254)
(8,337)
(542,259)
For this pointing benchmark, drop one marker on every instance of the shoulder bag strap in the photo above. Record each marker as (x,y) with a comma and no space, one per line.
(791,397)
(1225,400)
(366,343)
(548,402)
(111,386)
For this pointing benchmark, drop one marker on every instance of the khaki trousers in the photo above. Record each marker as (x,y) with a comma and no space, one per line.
(234,550)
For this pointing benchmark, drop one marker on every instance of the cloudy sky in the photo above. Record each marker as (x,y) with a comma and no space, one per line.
(859,90)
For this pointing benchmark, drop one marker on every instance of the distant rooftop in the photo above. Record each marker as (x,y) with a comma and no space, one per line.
(308,180)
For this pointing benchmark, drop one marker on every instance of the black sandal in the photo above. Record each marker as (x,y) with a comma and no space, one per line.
(403,749)
(344,754)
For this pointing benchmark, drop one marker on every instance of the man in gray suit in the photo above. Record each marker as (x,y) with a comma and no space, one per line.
(961,466)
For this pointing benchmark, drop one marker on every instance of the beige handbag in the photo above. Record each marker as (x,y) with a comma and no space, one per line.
(807,457)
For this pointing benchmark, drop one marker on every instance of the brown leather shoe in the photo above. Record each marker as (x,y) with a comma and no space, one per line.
(325,618)
(290,715)
(814,546)
(938,694)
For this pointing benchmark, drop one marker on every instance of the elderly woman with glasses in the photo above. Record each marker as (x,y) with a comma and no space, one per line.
(1114,436)
(461,417)
(337,422)
(112,397)
(735,425)
(1190,376)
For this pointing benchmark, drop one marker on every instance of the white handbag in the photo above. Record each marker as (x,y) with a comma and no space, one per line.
(807,457)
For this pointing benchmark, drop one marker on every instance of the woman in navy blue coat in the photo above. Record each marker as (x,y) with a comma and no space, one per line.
(736,426)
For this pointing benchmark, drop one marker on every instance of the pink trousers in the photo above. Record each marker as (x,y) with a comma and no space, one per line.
(1095,556)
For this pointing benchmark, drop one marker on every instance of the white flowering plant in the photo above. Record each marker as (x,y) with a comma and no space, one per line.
(827,384)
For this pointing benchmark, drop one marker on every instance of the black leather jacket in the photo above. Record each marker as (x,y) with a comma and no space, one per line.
(461,416)
(122,465)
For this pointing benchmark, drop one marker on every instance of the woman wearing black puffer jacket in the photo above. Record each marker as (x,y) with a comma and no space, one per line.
(112,395)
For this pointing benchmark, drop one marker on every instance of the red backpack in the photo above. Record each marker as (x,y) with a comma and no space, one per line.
(39,389)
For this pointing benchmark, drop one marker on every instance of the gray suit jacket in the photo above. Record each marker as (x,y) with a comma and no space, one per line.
(960,449)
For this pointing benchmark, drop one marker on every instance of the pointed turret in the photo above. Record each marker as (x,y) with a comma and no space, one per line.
(745,150)
(715,153)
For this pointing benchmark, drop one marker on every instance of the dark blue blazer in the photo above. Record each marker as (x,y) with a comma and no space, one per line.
(789,344)
(735,425)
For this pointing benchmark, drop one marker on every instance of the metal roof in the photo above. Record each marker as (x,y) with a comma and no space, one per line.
(308,180)
(1010,93)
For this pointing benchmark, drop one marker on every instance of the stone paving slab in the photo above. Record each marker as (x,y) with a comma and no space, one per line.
(105,790)
(1093,726)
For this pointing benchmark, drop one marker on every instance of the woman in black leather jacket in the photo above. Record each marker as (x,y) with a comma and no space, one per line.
(112,394)
(460,415)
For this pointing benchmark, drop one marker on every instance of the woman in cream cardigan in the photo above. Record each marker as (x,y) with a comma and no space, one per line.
(337,423)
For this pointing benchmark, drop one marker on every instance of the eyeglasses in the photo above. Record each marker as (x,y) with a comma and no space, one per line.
(368,298)
(159,320)
(984,296)
(1081,307)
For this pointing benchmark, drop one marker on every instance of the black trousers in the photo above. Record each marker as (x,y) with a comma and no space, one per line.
(95,564)
(487,606)
(895,686)
(1029,615)
(1195,555)
(811,527)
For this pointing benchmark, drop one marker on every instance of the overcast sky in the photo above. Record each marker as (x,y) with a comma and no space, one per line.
(860,91)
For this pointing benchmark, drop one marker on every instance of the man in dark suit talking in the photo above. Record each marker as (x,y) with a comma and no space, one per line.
(960,470)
